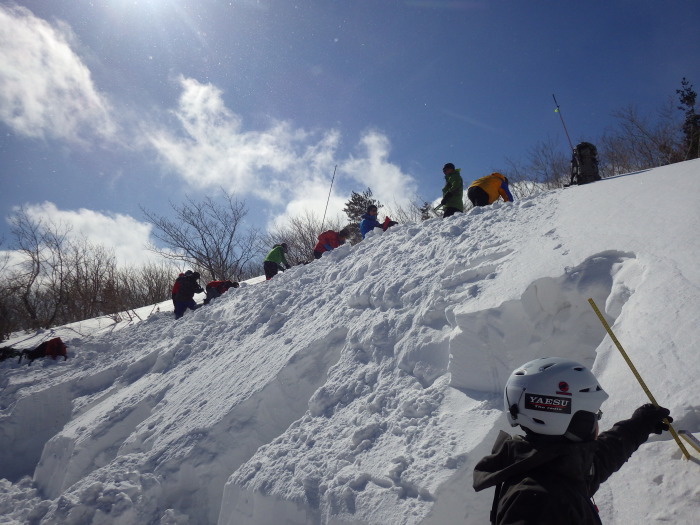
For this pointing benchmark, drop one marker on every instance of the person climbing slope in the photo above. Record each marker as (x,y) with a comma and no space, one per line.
(215,289)
(330,240)
(276,260)
(185,287)
(487,190)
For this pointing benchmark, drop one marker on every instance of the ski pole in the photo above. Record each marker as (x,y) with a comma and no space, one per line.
(636,374)
(329,197)
(690,438)
(562,121)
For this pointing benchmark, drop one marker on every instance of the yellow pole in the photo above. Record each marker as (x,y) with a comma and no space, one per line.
(636,374)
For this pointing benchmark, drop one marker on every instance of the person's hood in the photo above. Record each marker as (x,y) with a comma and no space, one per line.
(515,456)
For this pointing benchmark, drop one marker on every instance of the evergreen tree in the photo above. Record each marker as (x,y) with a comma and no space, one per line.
(355,208)
(691,124)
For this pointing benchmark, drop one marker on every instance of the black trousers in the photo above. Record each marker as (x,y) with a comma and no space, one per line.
(478,196)
(449,212)
(271,269)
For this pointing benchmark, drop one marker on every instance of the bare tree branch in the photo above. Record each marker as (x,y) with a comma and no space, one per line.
(207,235)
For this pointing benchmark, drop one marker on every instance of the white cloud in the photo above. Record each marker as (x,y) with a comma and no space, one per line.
(127,236)
(372,169)
(45,89)
(289,168)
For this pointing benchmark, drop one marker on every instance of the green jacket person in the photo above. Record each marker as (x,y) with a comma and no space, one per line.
(452,192)
(275,261)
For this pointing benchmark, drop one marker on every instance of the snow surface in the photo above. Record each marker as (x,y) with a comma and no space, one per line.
(362,388)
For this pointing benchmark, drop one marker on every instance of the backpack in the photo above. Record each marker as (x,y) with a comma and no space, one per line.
(51,348)
(584,164)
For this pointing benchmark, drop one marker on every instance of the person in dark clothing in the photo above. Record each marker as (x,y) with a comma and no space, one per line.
(452,192)
(185,287)
(177,283)
(215,289)
(549,476)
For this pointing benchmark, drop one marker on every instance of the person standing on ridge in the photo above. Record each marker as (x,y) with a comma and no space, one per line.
(330,240)
(549,475)
(276,261)
(487,190)
(452,192)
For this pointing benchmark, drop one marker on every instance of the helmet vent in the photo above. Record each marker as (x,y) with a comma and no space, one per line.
(519,373)
(579,368)
(539,421)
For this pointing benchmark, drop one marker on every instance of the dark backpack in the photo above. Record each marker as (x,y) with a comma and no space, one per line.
(51,348)
(584,164)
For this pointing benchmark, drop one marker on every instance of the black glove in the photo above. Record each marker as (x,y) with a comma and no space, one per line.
(445,197)
(651,417)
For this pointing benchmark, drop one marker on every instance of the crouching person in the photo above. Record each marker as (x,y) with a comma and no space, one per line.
(549,475)
(369,221)
(276,261)
(185,287)
(214,289)
(330,240)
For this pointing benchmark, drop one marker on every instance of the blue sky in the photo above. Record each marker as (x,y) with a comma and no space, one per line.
(109,105)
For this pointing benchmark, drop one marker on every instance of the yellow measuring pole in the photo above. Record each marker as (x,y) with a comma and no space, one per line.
(636,374)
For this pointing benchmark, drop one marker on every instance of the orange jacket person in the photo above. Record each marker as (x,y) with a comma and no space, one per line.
(486,190)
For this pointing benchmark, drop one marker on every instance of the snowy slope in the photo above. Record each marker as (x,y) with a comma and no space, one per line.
(362,388)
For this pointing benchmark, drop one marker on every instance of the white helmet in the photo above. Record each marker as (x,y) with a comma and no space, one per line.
(544,395)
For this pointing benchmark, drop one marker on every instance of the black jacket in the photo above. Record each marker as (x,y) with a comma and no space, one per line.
(542,480)
(187,288)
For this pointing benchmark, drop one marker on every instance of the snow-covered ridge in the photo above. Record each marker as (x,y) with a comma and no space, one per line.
(363,387)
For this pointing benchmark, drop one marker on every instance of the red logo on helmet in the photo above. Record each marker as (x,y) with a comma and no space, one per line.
(564,388)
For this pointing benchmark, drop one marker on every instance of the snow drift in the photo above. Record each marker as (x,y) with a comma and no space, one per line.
(362,388)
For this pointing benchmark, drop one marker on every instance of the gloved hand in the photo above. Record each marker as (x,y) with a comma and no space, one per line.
(445,198)
(651,417)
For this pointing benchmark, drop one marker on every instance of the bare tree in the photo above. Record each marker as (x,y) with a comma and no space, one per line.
(208,235)
(152,283)
(41,279)
(519,181)
(416,210)
(7,306)
(638,143)
(89,269)
(547,167)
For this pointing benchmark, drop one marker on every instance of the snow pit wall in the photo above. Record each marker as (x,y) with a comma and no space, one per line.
(552,318)
(32,422)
